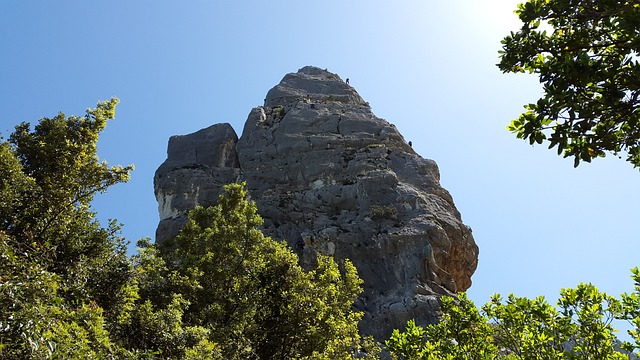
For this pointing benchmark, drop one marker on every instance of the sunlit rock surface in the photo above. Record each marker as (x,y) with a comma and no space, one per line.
(329,177)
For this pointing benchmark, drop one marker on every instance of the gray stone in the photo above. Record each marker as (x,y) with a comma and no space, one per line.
(329,177)
(319,85)
(197,167)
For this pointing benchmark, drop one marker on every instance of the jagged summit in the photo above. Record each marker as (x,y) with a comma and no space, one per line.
(329,177)
(317,84)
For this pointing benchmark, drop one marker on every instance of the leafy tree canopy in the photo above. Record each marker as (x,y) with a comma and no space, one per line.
(219,290)
(462,333)
(585,53)
(578,327)
(248,290)
(62,275)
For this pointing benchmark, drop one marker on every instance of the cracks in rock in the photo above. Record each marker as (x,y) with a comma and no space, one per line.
(194,166)
(347,156)
(304,178)
(380,273)
(397,279)
(272,140)
(378,132)
(374,270)
(195,151)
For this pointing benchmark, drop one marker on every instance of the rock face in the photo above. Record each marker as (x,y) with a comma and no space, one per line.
(197,167)
(329,177)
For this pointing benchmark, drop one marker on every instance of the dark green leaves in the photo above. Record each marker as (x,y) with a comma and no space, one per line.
(219,290)
(62,275)
(248,289)
(585,54)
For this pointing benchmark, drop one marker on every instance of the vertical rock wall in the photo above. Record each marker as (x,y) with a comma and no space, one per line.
(330,177)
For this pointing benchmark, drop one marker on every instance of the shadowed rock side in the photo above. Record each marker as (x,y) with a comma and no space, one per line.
(330,177)
(198,165)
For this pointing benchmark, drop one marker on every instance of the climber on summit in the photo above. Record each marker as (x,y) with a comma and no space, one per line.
(311,105)
(347,81)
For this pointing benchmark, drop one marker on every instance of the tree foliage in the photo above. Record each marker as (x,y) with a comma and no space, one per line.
(248,290)
(219,290)
(578,327)
(61,273)
(462,333)
(585,53)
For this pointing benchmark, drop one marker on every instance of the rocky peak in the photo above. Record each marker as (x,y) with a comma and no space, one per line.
(315,84)
(329,177)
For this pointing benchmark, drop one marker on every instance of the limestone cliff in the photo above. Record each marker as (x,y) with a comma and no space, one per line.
(330,177)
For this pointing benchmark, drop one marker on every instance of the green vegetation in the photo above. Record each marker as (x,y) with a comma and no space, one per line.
(62,276)
(279,112)
(248,291)
(578,327)
(220,289)
(386,212)
(461,334)
(586,55)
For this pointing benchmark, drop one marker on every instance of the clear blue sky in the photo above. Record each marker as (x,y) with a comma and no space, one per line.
(426,66)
